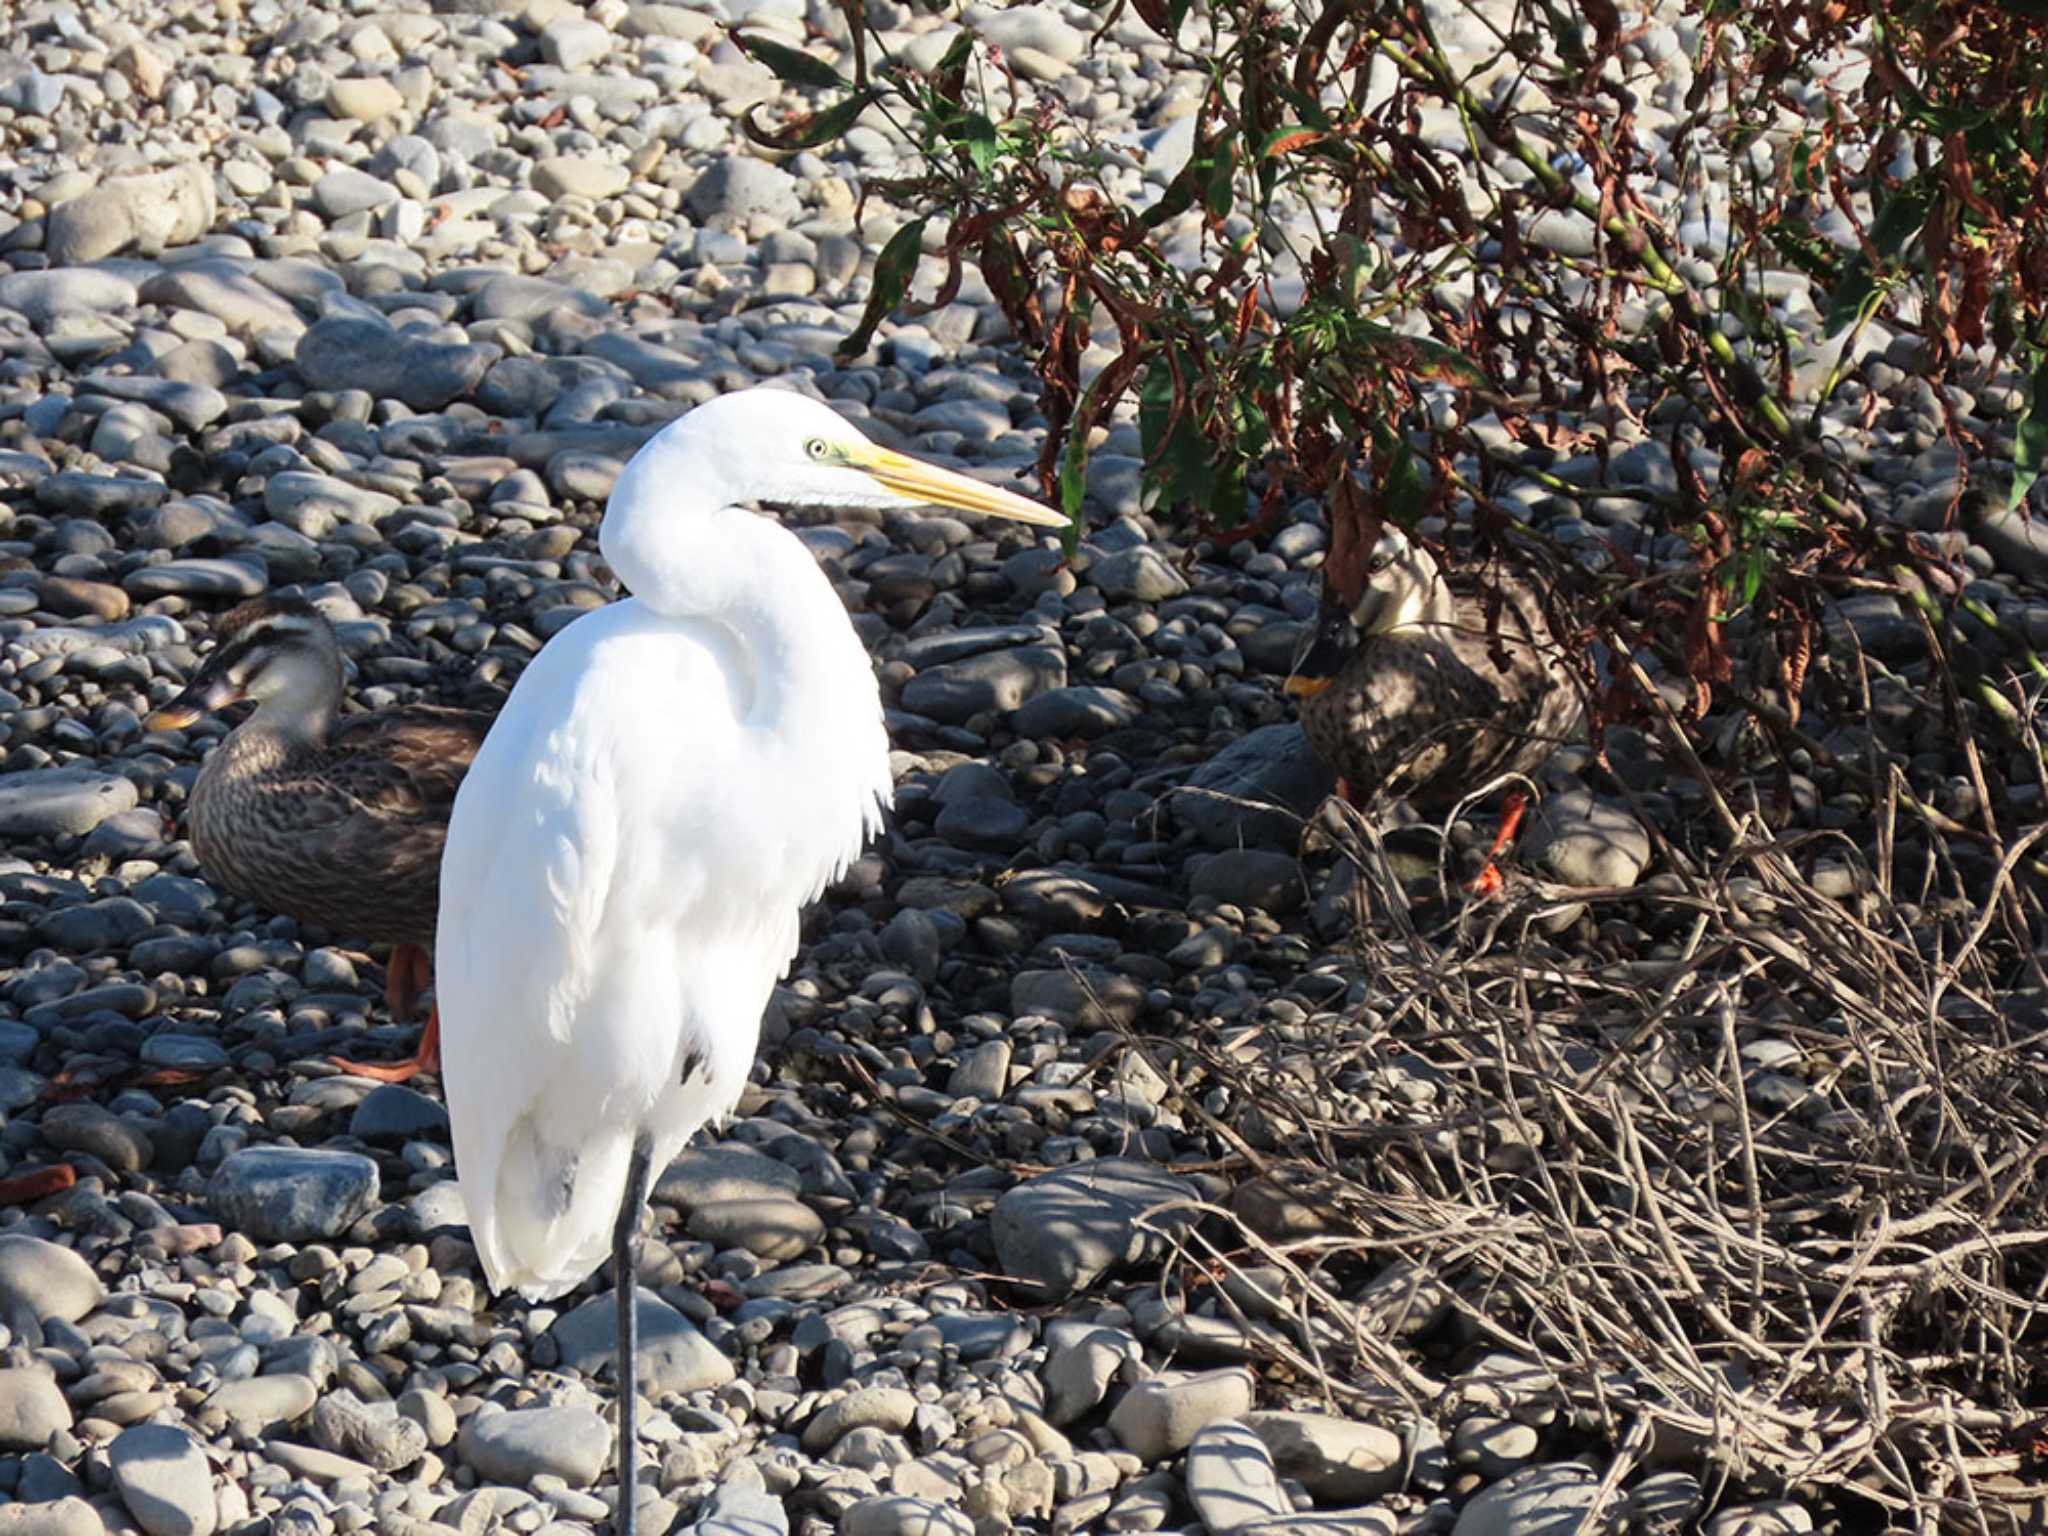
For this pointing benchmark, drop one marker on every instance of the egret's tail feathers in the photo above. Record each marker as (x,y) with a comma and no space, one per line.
(555,1208)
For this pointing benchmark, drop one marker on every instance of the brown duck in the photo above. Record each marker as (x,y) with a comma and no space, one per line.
(334,820)
(1410,687)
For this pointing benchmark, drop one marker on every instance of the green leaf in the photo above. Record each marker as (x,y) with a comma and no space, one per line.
(1179,195)
(893,271)
(1221,191)
(1415,353)
(810,132)
(1285,141)
(1073,485)
(2030,452)
(1803,178)
(1856,288)
(1753,565)
(977,135)
(1176,457)
(1401,495)
(1226,492)
(1902,214)
(1155,406)
(1074,476)
(955,56)
(791,65)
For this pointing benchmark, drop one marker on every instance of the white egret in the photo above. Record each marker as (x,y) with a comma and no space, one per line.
(672,779)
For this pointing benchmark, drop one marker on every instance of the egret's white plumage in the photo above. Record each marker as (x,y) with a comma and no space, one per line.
(671,780)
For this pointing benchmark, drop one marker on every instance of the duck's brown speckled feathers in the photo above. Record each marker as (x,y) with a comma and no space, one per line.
(1433,700)
(347,834)
(333,820)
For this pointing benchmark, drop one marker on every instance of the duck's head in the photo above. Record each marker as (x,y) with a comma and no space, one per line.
(1400,586)
(278,651)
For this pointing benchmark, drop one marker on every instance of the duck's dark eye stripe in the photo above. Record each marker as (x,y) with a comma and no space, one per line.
(271,630)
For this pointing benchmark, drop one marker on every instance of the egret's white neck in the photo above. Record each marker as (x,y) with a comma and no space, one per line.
(688,553)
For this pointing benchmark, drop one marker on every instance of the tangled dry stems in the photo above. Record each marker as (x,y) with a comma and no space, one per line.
(1766,1193)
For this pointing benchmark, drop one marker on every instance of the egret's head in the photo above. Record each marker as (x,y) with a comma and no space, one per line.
(271,649)
(1401,587)
(775,446)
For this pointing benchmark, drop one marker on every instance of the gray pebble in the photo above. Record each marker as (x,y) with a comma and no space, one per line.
(1079,1371)
(674,1356)
(904,1515)
(1545,1500)
(775,1229)
(391,1114)
(724,1171)
(198,577)
(375,1434)
(292,1194)
(346,352)
(1341,1461)
(1084,711)
(42,296)
(1141,575)
(1584,841)
(1776,1517)
(739,187)
(999,681)
(50,802)
(1250,877)
(1159,1417)
(1089,995)
(58,1517)
(983,1073)
(517,1445)
(1256,792)
(32,1409)
(163,1479)
(45,1281)
(1231,1481)
(257,1405)
(1663,1503)
(1065,1229)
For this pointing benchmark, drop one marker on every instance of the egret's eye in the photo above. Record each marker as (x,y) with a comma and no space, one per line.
(815,448)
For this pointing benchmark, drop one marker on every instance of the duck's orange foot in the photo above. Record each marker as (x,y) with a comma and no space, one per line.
(1485,885)
(1488,882)
(426,1059)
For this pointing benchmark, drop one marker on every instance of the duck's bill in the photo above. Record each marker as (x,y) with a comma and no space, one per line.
(173,717)
(944,488)
(1299,687)
(203,698)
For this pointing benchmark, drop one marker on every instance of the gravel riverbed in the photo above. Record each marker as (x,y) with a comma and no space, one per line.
(373,302)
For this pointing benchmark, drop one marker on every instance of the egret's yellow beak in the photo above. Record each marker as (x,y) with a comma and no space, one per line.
(944,488)
(172,717)
(1299,687)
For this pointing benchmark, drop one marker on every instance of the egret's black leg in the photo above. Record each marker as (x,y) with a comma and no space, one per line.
(626,1273)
